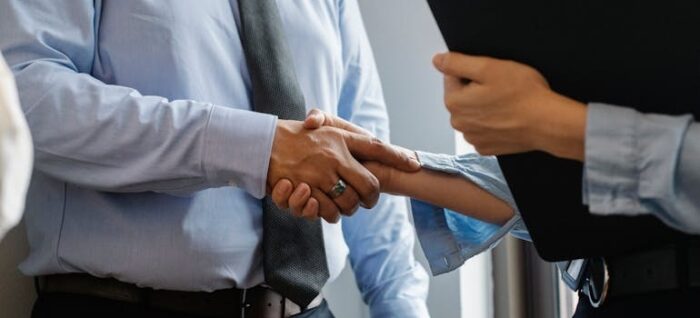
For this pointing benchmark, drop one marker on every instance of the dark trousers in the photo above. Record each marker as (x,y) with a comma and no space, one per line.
(70,305)
(675,304)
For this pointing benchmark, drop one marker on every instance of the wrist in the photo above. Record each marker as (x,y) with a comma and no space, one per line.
(560,127)
(285,132)
(388,180)
(396,180)
(226,131)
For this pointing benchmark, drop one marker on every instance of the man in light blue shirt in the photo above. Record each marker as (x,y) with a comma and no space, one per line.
(150,165)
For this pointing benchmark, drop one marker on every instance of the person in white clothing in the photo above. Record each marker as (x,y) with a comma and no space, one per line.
(15,153)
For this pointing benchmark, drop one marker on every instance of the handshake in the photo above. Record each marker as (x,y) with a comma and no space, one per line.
(327,167)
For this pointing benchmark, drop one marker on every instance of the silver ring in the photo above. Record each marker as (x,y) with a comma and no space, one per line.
(338,189)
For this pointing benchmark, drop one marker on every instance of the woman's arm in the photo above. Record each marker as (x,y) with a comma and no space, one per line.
(449,191)
(445,190)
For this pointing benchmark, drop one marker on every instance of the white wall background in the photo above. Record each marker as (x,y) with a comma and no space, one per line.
(404,37)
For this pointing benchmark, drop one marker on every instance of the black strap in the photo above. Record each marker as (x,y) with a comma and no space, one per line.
(673,267)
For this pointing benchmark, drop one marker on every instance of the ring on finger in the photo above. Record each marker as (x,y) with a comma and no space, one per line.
(338,189)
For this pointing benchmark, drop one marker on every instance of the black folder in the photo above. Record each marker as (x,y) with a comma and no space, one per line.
(640,54)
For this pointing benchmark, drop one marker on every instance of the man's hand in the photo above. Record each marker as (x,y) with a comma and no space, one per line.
(303,203)
(299,199)
(317,158)
(503,107)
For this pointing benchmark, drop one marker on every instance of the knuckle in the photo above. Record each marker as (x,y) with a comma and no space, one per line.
(352,210)
(331,215)
(355,209)
(334,133)
(343,203)
(375,144)
(374,184)
(333,218)
(370,186)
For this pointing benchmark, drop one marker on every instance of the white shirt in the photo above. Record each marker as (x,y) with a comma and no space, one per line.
(15,153)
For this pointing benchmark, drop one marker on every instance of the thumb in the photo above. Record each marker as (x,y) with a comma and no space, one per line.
(318,118)
(315,119)
(463,66)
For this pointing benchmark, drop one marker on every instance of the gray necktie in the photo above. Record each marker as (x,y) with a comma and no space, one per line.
(294,258)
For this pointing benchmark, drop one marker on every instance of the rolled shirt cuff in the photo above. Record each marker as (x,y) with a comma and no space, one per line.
(237,150)
(449,238)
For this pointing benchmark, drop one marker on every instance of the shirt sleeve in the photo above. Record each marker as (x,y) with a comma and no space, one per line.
(381,241)
(111,137)
(639,164)
(449,238)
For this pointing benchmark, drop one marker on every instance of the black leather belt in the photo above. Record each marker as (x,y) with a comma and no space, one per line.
(253,302)
(675,267)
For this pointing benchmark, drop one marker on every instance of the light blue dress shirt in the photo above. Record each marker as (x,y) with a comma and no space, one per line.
(635,164)
(140,113)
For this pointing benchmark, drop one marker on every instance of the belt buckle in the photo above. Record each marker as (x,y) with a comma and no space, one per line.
(597,284)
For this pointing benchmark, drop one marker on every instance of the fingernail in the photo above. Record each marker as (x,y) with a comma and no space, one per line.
(285,187)
(415,163)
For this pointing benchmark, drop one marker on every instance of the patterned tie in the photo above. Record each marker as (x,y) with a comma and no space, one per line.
(294,259)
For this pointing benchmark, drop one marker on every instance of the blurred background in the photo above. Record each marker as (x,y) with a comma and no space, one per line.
(510,281)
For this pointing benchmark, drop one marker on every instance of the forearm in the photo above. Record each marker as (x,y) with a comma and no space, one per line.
(452,192)
(113,139)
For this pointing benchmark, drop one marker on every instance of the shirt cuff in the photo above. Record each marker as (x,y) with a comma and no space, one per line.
(237,149)
(611,179)
(448,238)
(631,160)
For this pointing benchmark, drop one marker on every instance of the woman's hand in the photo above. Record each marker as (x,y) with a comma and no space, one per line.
(504,107)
